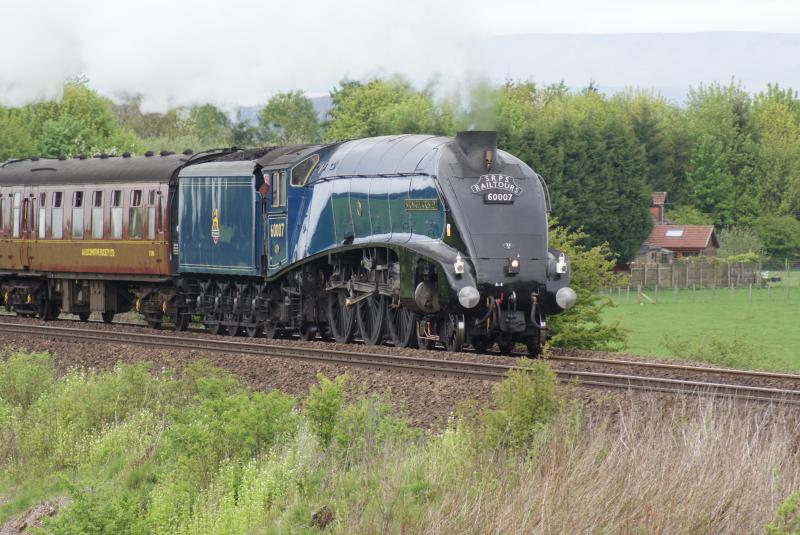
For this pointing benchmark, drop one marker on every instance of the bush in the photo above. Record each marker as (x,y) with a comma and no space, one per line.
(735,241)
(24,377)
(787,517)
(733,352)
(779,234)
(323,405)
(591,270)
(525,403)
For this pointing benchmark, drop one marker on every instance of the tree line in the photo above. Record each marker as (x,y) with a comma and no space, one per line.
(726,157)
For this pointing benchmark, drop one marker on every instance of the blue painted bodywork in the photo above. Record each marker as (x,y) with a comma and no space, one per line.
(232,245)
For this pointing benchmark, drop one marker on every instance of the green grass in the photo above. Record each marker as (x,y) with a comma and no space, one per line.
(765,323)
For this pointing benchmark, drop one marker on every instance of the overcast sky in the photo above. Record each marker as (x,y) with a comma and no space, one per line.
(239,52)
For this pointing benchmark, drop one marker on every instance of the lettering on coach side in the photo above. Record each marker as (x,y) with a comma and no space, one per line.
(98,252)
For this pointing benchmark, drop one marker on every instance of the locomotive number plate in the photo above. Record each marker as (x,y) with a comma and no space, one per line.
(496,189)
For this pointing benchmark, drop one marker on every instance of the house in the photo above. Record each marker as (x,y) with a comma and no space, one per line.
(668,242)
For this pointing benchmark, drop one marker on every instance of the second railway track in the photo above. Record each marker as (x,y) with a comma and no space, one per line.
(438,366)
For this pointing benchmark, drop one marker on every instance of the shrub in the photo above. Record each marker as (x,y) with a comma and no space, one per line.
(591,270)
(736,241)
(323,405)
(526,401)
(93,512)
(787,517)
(24,377)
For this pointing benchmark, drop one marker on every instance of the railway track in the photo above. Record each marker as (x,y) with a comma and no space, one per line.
(436,366)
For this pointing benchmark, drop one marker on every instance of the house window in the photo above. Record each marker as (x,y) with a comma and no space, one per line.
(674,233)
(57,222)
(77,214)
(135,215)
(97,215)
(116,215)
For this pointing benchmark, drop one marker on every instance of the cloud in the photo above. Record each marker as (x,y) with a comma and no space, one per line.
(233,53)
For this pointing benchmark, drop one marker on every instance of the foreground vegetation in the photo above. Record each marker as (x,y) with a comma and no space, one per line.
(739,328)
(198,452)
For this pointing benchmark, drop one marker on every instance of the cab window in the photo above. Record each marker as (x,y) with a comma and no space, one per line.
(279,189)
(303,170)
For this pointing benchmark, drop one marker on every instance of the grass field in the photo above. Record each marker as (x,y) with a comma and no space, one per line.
(764,323)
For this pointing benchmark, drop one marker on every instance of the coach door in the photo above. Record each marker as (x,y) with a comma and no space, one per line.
(277,244)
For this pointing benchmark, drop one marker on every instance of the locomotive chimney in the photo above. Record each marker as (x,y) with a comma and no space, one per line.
(480,148)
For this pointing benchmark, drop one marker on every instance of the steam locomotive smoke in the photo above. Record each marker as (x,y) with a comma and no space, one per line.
(232,53)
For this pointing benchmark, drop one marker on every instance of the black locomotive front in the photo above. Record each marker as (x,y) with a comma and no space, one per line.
(505,278)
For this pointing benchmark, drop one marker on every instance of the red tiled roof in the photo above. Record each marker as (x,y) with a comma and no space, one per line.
(659,198)
(692,237)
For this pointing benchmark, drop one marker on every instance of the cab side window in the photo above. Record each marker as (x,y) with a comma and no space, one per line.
(116,215)
(279,189)
(77,214)
(135,215)
(57,216)
(97,215)
(303,170)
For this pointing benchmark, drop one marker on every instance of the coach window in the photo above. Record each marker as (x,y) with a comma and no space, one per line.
(42,216)
(2,213)
(160,214)
(151,214)
(15,214)
(77,214)
(97,215)
(116,215)
(57,216)
(135,215)
(279,189)
(303,170)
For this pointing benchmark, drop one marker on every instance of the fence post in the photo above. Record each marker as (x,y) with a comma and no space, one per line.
(656,296)
(675,293)
(639,294)
(628,294)
(750,293)
(729,273)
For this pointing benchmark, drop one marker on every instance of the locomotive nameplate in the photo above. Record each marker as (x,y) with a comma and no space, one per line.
(496,189)
(421,204)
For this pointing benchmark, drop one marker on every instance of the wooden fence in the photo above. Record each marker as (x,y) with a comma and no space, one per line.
(695,274)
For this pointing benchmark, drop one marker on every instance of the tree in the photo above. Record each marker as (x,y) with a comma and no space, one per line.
(735,241)
(779,234)
(289,118)
(382,107)
(688,215)
(591,270)
(211,125)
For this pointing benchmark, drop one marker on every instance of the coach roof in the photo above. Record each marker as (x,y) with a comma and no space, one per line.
(92,171)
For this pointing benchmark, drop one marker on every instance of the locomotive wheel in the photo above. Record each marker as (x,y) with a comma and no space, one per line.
(84,316)
(108,317)
(533,345)
(253,328)
(506,346)
(480,344)
(341,318)
(371,315)
(308,331)
(216,327)
(234,322)
(402,324)
(453,332)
